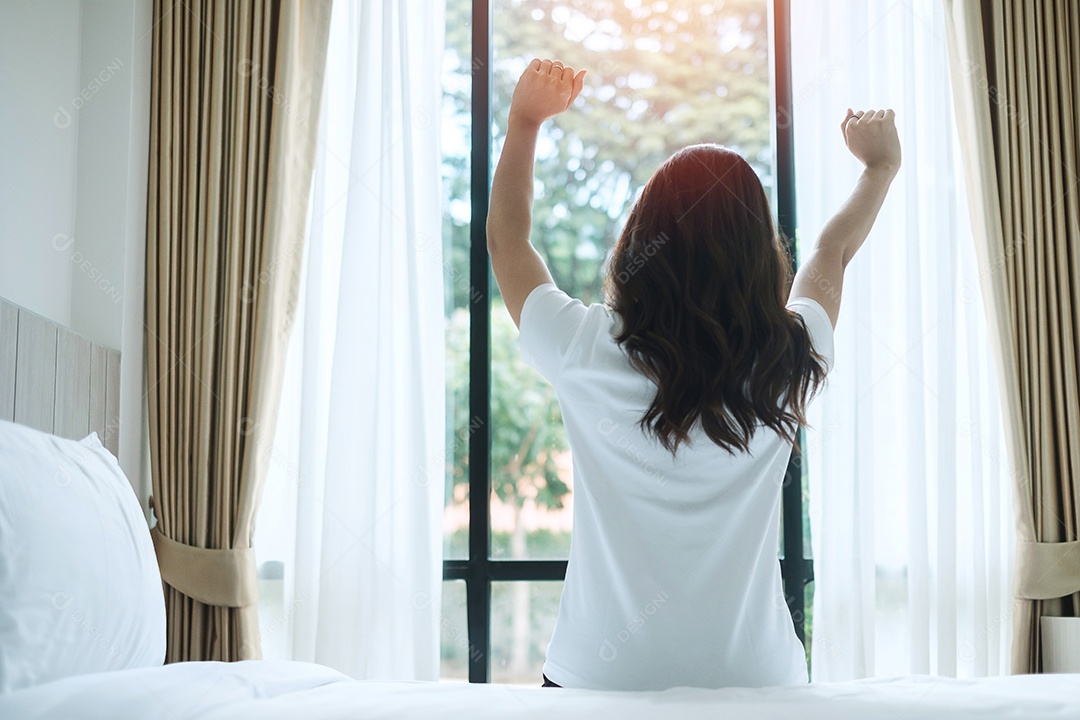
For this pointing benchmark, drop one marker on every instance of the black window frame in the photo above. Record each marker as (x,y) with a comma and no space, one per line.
(479,571)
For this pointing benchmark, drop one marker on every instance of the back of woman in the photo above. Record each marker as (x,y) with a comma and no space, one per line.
(682,396)
(673,576)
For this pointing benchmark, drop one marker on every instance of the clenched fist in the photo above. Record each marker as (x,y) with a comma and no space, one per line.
(871,137)
(545,89)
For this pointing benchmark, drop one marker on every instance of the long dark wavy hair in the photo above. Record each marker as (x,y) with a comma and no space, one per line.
(699,278)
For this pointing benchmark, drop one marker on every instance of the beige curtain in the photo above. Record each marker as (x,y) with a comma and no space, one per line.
(1016,80)
(236,88)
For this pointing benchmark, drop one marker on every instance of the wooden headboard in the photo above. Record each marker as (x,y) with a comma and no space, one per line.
(54,380)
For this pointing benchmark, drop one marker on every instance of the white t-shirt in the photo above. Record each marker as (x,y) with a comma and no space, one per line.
(673,577)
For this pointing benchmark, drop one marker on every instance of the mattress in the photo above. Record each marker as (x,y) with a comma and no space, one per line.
(290,690)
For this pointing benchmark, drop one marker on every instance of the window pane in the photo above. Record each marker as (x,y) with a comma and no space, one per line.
(454,632)
(662,75)
(456,129)
(531,476)
(522,620)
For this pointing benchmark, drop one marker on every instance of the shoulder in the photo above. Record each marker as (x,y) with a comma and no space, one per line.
(555,326)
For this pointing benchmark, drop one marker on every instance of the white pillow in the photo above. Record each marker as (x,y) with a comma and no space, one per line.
(80,590)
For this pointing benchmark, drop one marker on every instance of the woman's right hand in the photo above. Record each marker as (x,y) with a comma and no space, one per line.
(871,137)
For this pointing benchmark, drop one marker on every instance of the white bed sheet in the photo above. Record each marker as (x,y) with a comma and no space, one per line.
(293,690)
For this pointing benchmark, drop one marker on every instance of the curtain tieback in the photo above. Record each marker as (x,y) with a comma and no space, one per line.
(1047,570)
(221,577)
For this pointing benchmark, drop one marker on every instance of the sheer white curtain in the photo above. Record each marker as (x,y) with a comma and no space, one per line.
(912,533)
(353,508)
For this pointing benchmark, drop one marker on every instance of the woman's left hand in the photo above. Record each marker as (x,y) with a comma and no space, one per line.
(545,89)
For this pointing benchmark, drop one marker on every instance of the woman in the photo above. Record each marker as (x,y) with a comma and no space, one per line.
(682,396)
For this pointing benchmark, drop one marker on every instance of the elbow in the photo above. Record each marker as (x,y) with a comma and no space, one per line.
(494,230)
(831,253)
(500,236)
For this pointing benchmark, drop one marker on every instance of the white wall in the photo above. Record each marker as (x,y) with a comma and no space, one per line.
(104,126)
(108,249)
(74,129)
(39,80)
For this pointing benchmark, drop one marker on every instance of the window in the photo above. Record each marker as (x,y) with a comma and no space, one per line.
(661,75)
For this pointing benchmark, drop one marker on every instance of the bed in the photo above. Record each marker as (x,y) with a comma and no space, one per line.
(82,620)
(288,690)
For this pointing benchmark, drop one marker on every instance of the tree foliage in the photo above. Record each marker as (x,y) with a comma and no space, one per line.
(526,428)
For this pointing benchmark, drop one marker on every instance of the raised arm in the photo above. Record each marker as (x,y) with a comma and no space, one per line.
(871,137)
(545,89)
